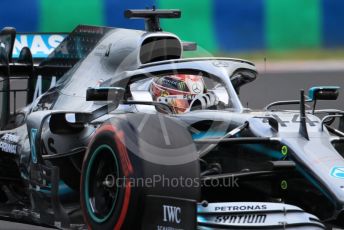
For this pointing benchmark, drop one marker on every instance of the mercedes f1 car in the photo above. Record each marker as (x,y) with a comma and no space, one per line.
(95,150)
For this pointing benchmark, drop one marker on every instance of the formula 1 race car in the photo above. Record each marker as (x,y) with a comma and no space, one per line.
(97,150)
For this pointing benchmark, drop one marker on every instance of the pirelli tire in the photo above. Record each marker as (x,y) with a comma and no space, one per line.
(116,150)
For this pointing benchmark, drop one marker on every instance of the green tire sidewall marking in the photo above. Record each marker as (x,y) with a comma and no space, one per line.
(284,184)
(284,150)
(87,196)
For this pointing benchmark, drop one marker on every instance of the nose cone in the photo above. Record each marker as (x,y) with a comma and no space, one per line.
(321,160)
(318,162)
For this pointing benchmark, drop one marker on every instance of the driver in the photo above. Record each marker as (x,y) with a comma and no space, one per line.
(180,91)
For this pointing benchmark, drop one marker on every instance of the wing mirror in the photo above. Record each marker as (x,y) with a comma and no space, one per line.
(68,122)
(323,93)
(114,94)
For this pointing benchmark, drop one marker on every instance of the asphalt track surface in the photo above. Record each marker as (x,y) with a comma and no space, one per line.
(267,88)
(6,225)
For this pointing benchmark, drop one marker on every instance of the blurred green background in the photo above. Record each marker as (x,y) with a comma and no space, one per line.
(254,29)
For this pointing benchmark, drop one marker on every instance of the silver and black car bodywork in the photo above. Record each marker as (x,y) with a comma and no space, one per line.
(73,156)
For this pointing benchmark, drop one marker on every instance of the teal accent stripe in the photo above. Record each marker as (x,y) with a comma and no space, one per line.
(33,134)
(265,150)
(315,183)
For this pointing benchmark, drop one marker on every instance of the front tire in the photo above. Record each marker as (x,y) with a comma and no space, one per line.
(104,203)
(135,156)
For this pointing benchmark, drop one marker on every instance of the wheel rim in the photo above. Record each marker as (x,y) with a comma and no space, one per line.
(101,191)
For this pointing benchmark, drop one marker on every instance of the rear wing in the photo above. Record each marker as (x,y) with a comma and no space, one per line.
(40,44)
(31,63)
(20,56)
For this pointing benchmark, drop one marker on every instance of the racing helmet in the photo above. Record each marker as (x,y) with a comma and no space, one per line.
(178,90)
